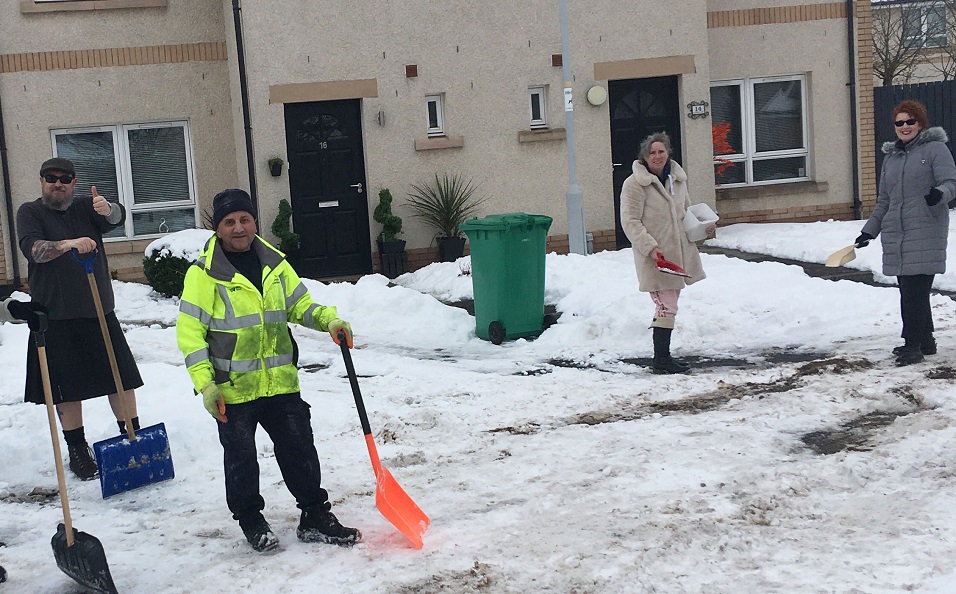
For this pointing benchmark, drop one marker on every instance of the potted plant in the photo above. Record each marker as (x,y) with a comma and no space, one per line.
(275,165)
(391,250)
(445,204)
(282,228)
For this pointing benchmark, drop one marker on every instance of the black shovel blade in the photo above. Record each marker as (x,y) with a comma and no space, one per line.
(85,561)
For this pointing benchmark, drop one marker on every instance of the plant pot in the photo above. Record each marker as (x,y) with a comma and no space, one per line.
(275,169)
(392,257)
(451,248)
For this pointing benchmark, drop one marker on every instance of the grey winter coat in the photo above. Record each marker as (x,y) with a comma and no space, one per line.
(653,217)
(913,233)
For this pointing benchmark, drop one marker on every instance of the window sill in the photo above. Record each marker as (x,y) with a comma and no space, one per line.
(783,189)
(29,6)
(439,142)
(542,135)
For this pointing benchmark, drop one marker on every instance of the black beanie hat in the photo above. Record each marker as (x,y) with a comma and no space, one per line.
(229,201)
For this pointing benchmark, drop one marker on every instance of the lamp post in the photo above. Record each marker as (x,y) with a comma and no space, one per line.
(577,243)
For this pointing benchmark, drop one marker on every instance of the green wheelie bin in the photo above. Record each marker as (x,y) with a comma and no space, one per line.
(507,274)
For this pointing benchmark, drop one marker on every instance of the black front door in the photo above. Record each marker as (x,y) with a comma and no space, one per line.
(327,186)
(639,107)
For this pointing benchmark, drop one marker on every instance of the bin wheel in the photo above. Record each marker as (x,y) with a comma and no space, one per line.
(549,320)
(496,332)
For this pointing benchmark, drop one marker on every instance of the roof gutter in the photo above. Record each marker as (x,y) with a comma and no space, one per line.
(244,93)
(854,134)
(8,201)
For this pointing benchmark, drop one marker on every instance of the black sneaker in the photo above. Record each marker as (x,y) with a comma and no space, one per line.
(259,533)
(322,526)
(81,461)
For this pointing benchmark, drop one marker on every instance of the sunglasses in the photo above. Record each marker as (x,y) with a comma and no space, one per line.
(63,179)
(901,123)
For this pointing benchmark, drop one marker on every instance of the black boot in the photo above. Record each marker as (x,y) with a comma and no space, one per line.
(320,525)
(909,355)
(927,346)
(81,456)
(122,425)
(258,532)
(663,362)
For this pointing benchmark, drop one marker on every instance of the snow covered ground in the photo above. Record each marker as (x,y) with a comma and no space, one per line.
(795,458)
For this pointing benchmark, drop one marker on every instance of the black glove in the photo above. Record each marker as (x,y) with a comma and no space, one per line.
(863,240)
(26,311)
(934,197)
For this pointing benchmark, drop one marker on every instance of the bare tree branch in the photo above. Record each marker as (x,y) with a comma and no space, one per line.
(894,55)
(944,62)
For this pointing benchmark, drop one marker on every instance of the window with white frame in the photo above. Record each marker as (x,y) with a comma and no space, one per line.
(760,130)
(539,107)
(436,117)
(925,24)
(146,167)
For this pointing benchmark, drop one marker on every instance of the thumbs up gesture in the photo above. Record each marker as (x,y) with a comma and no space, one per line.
(100,204)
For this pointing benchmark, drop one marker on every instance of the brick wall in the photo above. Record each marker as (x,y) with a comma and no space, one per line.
(801,214)
(865,112)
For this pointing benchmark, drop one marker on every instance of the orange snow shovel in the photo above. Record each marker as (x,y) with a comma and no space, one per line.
(77,554)
(390,499)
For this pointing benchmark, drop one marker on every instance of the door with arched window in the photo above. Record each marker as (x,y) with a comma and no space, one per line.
(328,188)
(639,107)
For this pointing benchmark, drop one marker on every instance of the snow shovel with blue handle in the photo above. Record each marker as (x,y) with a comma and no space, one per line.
(78,554)
(390,499)
(130,461)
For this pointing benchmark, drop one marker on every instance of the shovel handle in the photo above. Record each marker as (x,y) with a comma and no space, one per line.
(360,405)
(39,337)
(104,330)
(86,263)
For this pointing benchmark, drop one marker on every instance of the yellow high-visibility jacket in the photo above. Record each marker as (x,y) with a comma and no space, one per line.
(237,337)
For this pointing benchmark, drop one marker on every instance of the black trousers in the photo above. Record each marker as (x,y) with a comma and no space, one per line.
(288,421)
(914,307)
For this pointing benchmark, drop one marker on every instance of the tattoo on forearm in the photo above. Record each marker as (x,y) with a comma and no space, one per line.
(44,251)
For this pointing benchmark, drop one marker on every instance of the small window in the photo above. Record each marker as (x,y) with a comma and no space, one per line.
(538,106)
(925,26)
(436,119)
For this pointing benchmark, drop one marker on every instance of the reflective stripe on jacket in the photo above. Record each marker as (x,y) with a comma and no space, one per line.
(231,333)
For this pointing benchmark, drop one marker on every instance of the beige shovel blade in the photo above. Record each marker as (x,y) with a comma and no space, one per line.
(841,257)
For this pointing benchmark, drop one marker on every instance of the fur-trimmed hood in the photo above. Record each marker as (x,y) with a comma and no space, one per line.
(934,133)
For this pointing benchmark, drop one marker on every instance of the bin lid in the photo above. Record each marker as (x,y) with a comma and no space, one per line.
(501,222)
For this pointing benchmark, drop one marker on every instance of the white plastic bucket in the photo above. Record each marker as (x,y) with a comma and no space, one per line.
(698,218)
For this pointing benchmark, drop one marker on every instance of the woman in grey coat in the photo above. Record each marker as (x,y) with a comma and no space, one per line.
(654,201)
(917,182)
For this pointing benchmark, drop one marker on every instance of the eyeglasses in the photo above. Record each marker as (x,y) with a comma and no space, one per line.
(63,179)
(901,123)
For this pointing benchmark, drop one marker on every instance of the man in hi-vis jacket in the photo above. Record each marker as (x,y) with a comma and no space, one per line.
(237,301)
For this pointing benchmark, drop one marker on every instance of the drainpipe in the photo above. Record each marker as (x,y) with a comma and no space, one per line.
(244,92)
(8,200)
(855,151)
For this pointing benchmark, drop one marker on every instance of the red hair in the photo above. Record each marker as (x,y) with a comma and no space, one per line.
(915,109)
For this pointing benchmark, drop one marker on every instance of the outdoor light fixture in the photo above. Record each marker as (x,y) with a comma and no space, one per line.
(597,95)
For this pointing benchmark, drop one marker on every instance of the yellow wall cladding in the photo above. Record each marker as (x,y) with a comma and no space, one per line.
(115,56)
(776,15)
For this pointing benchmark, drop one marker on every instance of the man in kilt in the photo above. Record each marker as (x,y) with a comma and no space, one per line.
(49,228)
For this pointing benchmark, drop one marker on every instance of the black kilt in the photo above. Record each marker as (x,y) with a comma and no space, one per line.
(79,365)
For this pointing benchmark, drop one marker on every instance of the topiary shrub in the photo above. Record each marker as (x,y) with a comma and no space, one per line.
(282,228)
(391,223)
(166,272)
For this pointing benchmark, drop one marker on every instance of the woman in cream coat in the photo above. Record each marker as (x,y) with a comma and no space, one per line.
(654,201)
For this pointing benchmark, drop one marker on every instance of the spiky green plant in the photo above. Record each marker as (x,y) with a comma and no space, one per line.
(446,203)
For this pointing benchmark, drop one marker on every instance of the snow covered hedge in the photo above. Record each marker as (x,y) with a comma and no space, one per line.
(168,258)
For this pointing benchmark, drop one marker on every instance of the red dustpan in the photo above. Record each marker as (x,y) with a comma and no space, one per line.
(390,499)
(668,267)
